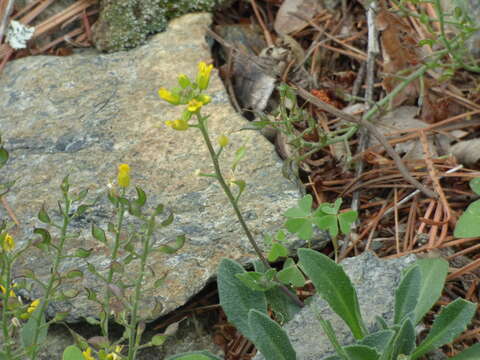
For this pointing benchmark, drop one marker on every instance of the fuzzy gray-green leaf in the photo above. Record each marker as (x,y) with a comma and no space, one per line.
(269,338)
(434,272)
(236,298)
(333,284)
(406,295)
(451,322)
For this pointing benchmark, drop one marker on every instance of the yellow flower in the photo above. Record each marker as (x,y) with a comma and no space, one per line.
(169,96)
(183,81)
(203,75)
(222,140)
(3,290)
(123,175)
(194,105)
(204,99)
(114,356)
(34,304)
(8,244)
(87,354)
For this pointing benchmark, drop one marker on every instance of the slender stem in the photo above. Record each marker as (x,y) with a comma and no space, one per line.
(116,245)
(53,276)
(5,320)
(228,192)
(233,202)
(134,337)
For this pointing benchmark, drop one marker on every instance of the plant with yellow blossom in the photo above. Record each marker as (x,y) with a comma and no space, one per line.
(126,309)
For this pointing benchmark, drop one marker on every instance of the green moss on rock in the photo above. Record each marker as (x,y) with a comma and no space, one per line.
(125,24)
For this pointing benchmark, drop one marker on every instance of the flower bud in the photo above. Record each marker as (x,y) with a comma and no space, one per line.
(203,75)
(184,81)
(169,96)
(123,175)
(222,141)
(8,244)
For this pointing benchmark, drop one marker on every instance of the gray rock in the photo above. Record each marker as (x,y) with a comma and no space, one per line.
(375,281)
(83,115)
(125,24)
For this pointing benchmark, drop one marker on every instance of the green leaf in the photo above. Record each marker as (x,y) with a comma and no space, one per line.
(475,185)
(468,225)
(333,284)
(3,156)
(470,354)
(113,198)
(81,210)
(81,195)
(239,154)
(282,306)
(99,234)
(27,331)
(166,249)
(304,208)
(381,323)
(332,337)
(451,322)
(241,187)
(236,298)
(158,340)
(158,209)
(434,272)
(72,274)
(277,251)
(168,220)
(291,275)
(91,294)
(328,223)
(72,353)
(406,294)
(329,208)
(269,338)
(361,352)
(65,186)
(404,342)
(141,196)
(346,219)
(194,355)
(43,215)
(378,340)
(258,281)
(301,227)
(82,253)
(46,238)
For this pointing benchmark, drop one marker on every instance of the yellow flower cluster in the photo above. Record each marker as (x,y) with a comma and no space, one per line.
(123,175)
(188,95)
(87,354)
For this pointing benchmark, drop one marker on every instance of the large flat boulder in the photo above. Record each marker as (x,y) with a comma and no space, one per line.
(84,114)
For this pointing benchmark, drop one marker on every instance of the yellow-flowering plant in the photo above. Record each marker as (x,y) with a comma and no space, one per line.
(126,309)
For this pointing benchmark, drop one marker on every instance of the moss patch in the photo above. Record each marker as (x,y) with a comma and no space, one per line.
(125,24)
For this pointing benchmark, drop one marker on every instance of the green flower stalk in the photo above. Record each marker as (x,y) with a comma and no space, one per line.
(193,97)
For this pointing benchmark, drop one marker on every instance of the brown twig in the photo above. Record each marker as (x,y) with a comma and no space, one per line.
(373,130)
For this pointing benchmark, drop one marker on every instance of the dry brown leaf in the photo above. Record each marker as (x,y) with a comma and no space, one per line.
(400,55)
(287,23)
